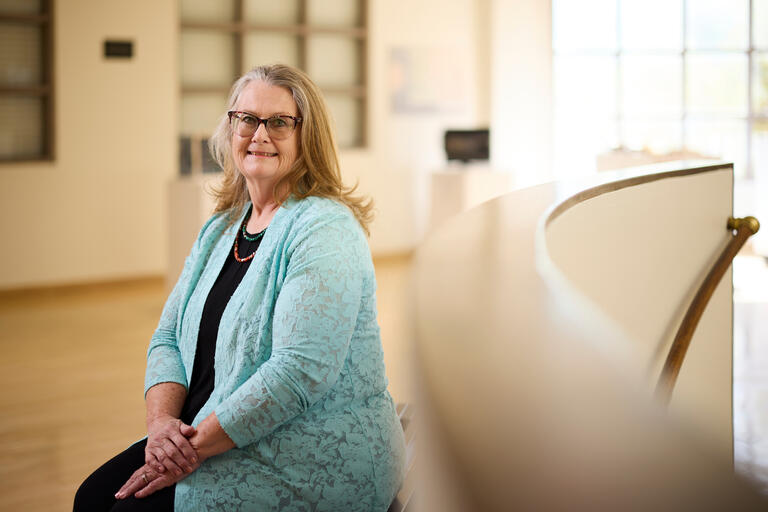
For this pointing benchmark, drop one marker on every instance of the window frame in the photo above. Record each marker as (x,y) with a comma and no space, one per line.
(43,90)
(752,116)
(303,30)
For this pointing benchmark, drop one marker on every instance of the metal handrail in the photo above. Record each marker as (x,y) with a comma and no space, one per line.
(741,229)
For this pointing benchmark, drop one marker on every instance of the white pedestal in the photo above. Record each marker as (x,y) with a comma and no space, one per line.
(189,207)
(457,189)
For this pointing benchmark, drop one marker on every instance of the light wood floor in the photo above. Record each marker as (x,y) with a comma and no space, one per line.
(72,372)
(750,368)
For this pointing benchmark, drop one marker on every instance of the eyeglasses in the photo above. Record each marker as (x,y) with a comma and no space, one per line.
(278,127)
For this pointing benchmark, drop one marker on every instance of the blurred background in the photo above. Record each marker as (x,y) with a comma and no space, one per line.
(105,111)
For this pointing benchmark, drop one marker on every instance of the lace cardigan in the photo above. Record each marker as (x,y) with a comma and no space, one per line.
(299,374)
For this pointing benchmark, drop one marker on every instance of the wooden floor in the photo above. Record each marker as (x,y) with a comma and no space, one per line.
(72,373)
(750,369)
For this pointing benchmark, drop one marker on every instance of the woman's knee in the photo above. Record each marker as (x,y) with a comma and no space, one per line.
(97,492)
(91,496)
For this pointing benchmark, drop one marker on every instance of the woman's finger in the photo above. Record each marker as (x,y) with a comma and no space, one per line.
(169,441)
(177,457)
(139,479)
(128,488)
(155,485)
(167,461)
(178,437)
(188,454)
(151,460)
(187,430)
(124,489)
(154,454)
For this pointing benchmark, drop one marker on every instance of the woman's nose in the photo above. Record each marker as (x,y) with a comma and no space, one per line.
(261,132)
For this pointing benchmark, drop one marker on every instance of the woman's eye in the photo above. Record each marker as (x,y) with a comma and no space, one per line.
(248,119)
(277,122)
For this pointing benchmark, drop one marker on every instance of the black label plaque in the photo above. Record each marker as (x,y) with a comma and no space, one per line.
(118,49)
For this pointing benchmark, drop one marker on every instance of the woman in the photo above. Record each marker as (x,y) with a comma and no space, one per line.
(265,385)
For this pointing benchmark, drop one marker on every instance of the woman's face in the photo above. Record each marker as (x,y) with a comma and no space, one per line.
(261,159)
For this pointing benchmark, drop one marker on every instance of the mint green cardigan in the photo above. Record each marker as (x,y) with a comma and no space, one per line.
(299,373)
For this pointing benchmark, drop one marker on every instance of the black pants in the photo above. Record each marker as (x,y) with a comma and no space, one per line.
(97,492)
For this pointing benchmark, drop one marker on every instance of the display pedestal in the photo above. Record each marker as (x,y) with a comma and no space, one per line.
(457,189)
(189,206)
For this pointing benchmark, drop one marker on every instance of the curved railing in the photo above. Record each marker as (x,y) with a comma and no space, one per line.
(742,229)
(533,397)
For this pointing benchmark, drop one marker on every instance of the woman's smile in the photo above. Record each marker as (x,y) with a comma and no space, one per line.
(262,154)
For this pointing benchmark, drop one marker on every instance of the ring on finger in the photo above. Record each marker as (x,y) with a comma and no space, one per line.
(144,477)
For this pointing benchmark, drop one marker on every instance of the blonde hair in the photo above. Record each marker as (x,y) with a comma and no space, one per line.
(316,169)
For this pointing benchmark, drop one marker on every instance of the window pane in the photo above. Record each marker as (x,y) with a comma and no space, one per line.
(284,12)
(716,84)
(206,11)
(657,137)
(208,163)
(652,24)
(577,144)
(585,86)
(760,84)
(20,54)
(21,132)
(717,24)
(347,117)
(337,13)
(201,113)
(651,85)
(270,48)
(207,58)
(584,25)
(185,155)
(760,152)
(760,24)
(20,6)
(333,60)
(758,204)
(725,139)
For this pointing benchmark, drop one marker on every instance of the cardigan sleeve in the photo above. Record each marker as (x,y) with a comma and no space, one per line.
(164,362)
(314,317)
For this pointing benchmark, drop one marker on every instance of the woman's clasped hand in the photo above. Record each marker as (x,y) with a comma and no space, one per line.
(145,480)
(168,447)
(169,457)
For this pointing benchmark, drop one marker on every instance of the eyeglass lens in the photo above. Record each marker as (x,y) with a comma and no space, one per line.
(278,127)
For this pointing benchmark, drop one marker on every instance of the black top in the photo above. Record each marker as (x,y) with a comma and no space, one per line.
(201,385)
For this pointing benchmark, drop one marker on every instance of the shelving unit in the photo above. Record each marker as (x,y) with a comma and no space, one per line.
(220,41)
(26,81)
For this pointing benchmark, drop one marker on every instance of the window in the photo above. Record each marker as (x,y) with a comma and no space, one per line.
(26,80)
(221,40)
(662,76)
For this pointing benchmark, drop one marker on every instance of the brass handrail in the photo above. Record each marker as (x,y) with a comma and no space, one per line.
(741,229)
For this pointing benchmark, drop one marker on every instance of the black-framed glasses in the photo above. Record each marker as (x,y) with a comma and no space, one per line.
(245,124)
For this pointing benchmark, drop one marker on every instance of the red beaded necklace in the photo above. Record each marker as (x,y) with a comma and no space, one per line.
(250,239)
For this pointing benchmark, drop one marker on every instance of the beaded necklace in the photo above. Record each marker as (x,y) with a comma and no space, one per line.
(253,238)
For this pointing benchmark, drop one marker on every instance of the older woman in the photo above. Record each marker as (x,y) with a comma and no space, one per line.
(265,385)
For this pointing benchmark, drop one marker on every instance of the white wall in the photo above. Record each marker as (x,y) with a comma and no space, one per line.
(405,147)
(99,211)
(505,51)
(521,97)
(93,213)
